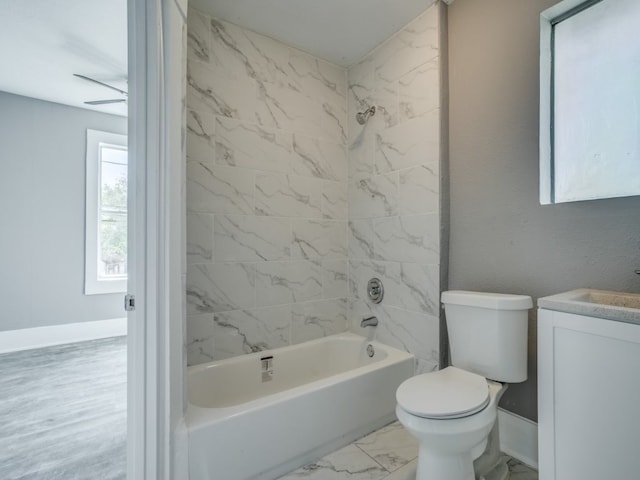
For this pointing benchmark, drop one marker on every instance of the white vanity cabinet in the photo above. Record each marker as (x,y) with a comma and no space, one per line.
(588,396)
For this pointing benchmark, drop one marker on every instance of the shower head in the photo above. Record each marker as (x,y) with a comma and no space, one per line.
(362,117)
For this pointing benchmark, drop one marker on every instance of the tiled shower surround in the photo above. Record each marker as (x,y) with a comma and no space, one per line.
(394,188)
(292,206)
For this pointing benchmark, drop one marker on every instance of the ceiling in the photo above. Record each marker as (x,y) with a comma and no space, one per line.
(340,31)
(44,42)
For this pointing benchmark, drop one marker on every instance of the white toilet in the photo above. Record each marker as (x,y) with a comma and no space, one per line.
(453,411)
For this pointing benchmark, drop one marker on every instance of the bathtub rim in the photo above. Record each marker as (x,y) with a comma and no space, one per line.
(201,417)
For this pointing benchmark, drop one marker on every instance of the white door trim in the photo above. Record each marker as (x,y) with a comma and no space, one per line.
(144,377)
(157,37)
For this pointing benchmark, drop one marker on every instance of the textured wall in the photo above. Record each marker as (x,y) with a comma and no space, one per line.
(266,193)
(501,238)
(394,187)
(42,189)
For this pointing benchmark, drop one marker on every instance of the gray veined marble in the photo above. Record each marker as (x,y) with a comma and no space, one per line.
(243,53)
(360,97)
(334,200)
(412,143)
(326,84)
(361,271)
(417,42)
(387,454)
(361,148)
(220,287)
(198,36)
(248,331)
(288,282)
(361,239)
(267,166)
(410,286)
(200,136)
(392,446)
(288,196)
(248,238)
(317,77)
(363,94)
(419,190)
(419,288)
(205,94)
(63,412)
(333,121)
(199,341)
(251,146)
(318,158)
(218,189)
(403,329)
(410,331)
(347,463)
(414,238)
(311,320)
(418,92)
(335,274)
(318,239)
(199,238)
(375,196)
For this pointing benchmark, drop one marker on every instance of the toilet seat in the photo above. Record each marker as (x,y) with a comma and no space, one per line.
(447,393)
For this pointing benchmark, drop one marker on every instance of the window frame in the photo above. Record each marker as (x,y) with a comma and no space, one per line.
(549,20)
(93,284)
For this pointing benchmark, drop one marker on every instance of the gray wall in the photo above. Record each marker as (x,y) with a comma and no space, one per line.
(42,165)
(501,238)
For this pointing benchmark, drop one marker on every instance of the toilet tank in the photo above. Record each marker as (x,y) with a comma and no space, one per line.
(488,333)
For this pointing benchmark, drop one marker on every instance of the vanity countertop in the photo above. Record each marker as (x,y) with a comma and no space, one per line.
(618,306)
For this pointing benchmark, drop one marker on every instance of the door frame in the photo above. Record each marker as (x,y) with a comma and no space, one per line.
(144,375)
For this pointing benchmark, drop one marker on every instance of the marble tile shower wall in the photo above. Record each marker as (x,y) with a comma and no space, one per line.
(266,193)
(393,193)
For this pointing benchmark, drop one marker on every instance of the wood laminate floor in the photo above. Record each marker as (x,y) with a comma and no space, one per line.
(63,412)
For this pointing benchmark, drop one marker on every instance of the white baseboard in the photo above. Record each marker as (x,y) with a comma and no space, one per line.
(38,337)
(518,437)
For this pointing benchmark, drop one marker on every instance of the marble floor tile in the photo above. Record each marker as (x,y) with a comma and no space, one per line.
(387,454)
(348,463)
(63,412)
(519,471)
(408,472)
(392,446)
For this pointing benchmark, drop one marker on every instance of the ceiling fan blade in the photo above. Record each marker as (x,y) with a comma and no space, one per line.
(100,83)
(104,102)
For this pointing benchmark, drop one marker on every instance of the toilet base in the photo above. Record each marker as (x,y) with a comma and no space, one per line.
(408,472)
(455,467)
(492,465)
(500,472)
(448,448)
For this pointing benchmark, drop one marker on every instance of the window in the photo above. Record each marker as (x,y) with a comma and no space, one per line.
(106,213)
(590,101)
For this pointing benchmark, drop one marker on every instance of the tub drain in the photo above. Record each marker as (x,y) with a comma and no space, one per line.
(370,351)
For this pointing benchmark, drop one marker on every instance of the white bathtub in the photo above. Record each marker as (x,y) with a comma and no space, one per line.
(321,395)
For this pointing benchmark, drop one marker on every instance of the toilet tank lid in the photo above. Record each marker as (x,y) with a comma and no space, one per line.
(496,301)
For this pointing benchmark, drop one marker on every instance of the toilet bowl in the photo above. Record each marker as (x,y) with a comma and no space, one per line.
(453,411)
(452,440)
